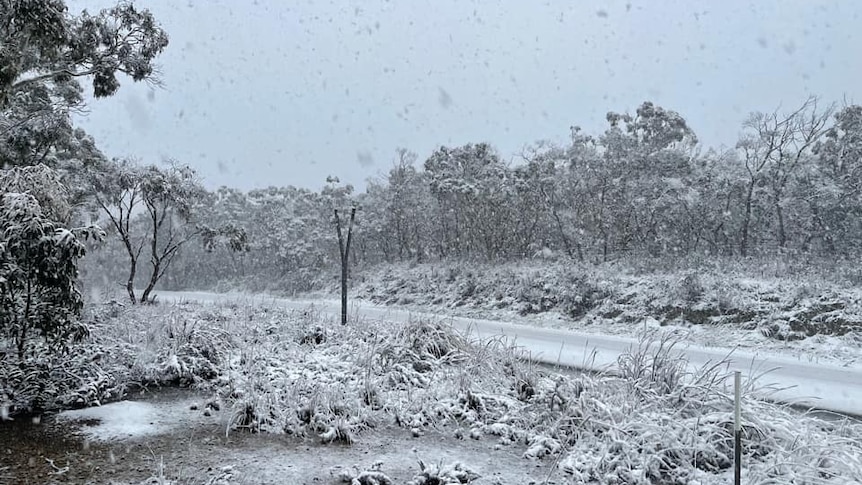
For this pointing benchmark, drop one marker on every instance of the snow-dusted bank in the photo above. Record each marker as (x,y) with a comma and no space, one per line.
(820,386)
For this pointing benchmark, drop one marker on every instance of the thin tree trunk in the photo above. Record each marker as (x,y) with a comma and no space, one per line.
(145,296)
(746,221)
(343,290)
(779,214)
(567,244)
(130,284)
(344,249)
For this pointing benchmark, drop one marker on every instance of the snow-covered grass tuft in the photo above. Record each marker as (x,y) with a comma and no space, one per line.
(356,476)
(439,474)
(654,368)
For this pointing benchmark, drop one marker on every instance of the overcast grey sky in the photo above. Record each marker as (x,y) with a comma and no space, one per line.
(285,93)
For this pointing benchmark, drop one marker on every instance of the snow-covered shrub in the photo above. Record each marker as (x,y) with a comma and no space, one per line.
(354,475)
(38,273)
(164,345)
(47,381)
(534,295)
(579,295)
(274,382)
(690,288)
(40,303)
(192,352)
(439,474)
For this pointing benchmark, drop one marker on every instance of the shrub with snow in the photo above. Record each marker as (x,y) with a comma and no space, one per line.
(39,299)
(453,473)
(38,293)
(354,475)
(723,301)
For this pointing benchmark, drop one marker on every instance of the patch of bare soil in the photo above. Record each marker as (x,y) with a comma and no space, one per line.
(198,451)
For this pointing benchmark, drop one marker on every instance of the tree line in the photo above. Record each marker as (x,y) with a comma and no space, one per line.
(644,187)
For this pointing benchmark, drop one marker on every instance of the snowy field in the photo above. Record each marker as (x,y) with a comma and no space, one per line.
(267,377)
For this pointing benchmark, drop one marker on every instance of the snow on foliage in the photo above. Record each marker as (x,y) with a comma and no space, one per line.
(290,372)
(650,421)
(372,476)
(43,184)
(39,298)
(439,474)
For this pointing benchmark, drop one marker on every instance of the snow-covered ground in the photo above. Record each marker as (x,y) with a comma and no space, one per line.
(286,376)
(187,451)
(830,387)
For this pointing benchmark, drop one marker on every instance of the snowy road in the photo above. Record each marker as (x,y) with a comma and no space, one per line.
(821,386)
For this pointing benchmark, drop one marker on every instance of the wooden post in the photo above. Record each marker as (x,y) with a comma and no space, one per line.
(344,249)
(737,430)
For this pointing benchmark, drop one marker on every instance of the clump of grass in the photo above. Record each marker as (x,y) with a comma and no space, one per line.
(654,368)
(439,474)
(280,380)
(371,476)
(431,340)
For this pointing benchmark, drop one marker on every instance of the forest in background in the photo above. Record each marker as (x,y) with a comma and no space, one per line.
(644,191)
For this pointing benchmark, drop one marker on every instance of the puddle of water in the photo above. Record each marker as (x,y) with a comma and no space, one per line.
(131,419)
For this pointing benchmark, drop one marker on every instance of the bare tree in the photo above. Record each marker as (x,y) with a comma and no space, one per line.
(165,198)
(117,191)
(773,151)
(344,249)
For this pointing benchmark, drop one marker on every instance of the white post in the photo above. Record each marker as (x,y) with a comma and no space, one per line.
(737,429)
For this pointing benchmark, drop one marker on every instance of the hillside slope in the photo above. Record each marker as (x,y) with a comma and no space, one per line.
(809,319)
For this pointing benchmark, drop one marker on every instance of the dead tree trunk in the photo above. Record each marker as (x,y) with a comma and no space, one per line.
(344,249)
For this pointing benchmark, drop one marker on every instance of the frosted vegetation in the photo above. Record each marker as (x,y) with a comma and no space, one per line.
(643,191)
(631,228)
(647,420)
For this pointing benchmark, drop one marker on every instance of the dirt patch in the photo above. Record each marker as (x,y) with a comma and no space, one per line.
(825,319)
(690,315)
